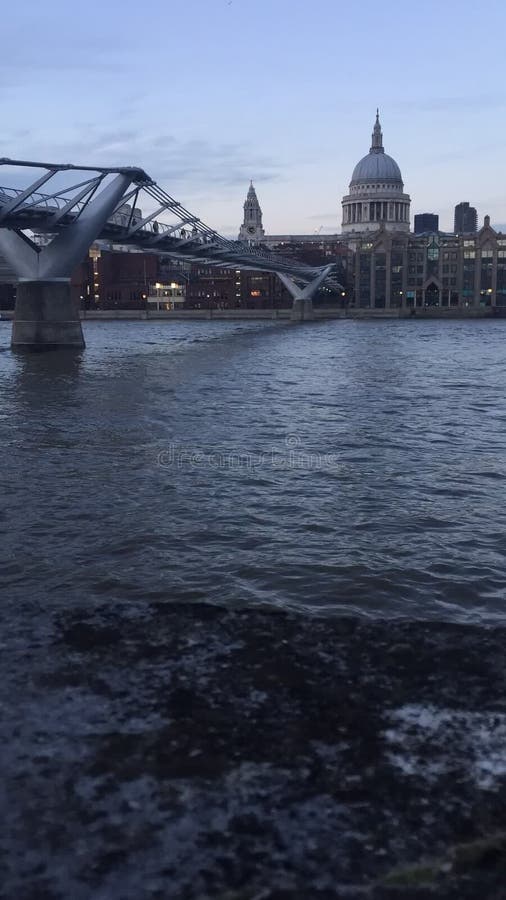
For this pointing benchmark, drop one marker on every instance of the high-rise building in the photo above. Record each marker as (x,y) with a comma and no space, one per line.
(466,219)
(376,195)
(426,222)
(251,229)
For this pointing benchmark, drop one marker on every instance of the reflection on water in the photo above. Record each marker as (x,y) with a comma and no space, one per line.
(343,466)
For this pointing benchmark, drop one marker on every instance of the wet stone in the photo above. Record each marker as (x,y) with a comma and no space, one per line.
(195,752)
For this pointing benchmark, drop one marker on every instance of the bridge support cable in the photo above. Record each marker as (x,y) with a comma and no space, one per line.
(87,192)
(211,242)
(21,196)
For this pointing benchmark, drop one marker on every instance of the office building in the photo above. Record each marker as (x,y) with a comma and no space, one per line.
(466,219)
(425,223)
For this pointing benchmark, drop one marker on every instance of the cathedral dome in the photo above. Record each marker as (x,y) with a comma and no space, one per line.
(376,198)
(376,167)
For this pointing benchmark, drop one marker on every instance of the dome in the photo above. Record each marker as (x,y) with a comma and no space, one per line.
(376,167)
(376,198)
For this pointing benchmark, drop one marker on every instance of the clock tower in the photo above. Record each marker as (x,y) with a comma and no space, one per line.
(251,229)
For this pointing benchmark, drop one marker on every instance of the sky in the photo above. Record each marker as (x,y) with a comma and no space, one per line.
(208,94)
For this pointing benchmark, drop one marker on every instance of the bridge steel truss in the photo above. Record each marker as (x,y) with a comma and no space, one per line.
(104,204)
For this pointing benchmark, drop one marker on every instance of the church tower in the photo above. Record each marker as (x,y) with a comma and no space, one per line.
(251,229)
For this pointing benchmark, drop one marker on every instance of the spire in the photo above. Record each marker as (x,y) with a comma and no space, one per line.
(251,228)
(251,201)
(377,136)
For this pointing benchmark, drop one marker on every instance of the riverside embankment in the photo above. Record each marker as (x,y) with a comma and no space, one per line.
(282,315)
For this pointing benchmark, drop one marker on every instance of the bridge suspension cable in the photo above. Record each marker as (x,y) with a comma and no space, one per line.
(188,237)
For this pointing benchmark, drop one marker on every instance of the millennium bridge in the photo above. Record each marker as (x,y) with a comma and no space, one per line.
(73,206)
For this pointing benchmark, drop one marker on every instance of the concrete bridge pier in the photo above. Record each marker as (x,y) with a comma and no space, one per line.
(45,317)
(302,309)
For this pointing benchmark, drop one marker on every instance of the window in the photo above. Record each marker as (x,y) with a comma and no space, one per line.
(380,279)
(396,278)
(468,274)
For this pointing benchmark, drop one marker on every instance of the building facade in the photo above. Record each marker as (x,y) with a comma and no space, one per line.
(398,271)
(108,279)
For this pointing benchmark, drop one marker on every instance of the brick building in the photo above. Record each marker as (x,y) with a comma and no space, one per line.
(108,279)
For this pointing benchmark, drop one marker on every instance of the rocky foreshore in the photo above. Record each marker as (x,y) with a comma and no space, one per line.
(194,752)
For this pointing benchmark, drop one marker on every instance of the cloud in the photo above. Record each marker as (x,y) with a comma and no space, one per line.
(198,173)
(194,164)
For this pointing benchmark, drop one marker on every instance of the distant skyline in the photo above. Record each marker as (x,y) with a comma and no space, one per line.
(208,94)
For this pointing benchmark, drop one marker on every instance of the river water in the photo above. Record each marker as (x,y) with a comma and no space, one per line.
(339,467)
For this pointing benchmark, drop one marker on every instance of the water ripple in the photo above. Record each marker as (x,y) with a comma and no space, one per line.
(347,467)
